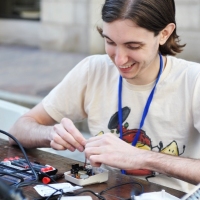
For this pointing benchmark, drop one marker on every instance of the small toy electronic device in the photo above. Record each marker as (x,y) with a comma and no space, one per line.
(87,175)
(16,170)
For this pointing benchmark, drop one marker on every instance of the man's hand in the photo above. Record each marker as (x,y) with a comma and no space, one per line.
(111,150)
(66,136)
(37,129)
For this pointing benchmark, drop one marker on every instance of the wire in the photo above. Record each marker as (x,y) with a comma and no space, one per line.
(85,163)
(55,193)
(25,155)
(103,191)
(90,191)
(132,182)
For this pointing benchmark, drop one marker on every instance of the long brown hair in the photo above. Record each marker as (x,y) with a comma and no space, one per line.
(153,15)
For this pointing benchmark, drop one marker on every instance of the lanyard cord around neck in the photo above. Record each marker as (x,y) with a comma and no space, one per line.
(146,108)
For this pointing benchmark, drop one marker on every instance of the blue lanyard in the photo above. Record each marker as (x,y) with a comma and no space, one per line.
(146,108)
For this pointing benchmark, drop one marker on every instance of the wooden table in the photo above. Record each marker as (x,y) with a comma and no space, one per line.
(63,164)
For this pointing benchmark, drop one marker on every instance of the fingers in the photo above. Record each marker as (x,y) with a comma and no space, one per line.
(114,159)
(58,143)
(105,140)
(97,147)
(95,161)
(108,149)
(93,152)
(67,136)
(70,128)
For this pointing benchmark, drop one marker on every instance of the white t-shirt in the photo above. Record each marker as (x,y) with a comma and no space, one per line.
(172,125)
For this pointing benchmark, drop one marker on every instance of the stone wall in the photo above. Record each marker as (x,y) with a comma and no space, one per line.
(65,25)
(70,25)
(188,27)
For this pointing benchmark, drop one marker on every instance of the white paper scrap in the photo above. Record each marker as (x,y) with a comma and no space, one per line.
(162,195)
(45,190)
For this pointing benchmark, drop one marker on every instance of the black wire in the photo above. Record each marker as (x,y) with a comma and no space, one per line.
(25,155)
(99,196)
(103,191)
(132,182)
(89,191)
(52,194)
(57,190)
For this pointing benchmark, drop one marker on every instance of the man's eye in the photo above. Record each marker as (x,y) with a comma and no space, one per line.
(133,47)
(110,42)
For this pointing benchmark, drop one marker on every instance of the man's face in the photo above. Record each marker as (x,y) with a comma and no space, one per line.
(134,51)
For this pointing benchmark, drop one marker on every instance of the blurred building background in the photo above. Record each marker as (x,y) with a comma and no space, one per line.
(70,25)
(188,26)
(41,40)
(64,25)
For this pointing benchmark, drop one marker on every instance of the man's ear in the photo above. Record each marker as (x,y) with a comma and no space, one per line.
(166,32)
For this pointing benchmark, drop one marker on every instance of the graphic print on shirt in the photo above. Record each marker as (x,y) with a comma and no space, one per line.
(144,142)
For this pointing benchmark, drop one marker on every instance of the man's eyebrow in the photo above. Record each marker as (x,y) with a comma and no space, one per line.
(103,35)
(131,42)
(134,42)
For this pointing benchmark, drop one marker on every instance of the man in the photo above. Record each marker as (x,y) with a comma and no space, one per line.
(138,92)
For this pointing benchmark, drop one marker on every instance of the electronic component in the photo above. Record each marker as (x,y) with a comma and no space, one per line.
(16,170)
(86,175)
(14,175)
(10,180)
(55,177)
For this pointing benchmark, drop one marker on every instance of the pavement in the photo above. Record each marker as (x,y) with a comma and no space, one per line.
(27,74)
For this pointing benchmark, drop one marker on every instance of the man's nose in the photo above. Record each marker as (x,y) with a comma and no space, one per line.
(121,57)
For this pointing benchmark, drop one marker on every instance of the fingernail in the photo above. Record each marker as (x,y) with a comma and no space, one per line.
(71,149)
(81,148)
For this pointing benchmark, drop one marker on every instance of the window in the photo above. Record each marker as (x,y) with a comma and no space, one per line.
(20,9)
